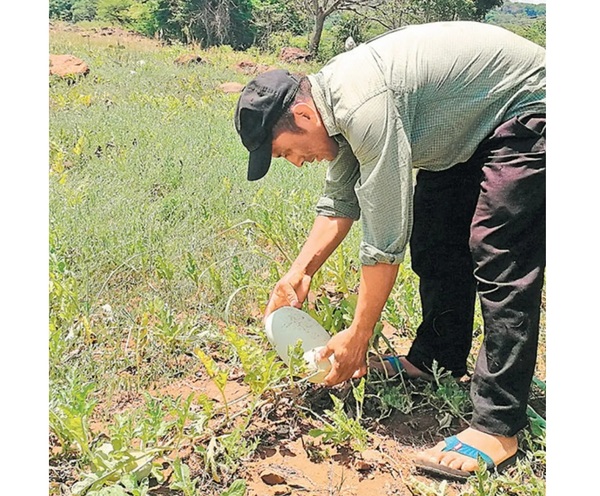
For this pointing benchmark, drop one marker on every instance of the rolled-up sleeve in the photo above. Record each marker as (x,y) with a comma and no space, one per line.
(385,187)
(339,198)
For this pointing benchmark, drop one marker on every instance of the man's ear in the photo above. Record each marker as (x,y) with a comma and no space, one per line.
(306,115)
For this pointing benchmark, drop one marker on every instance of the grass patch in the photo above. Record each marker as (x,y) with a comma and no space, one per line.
(162,257)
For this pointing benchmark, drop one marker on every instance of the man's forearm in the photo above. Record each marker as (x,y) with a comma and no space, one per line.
(325,236)
(376,283)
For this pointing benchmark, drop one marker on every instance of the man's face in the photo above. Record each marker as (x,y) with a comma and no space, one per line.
(314,144)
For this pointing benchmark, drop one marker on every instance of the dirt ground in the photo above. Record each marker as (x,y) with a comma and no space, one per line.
(289,460)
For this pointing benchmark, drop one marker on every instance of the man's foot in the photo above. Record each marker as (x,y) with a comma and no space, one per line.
(445,460)
(393,365)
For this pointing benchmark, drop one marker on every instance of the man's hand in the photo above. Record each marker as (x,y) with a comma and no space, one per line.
(349,348)
(326,234)
(291,290)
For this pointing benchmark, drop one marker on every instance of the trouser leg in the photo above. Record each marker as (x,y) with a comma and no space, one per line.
(508,246)
(444,203)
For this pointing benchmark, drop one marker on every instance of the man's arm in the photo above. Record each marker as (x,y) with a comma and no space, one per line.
(325,236)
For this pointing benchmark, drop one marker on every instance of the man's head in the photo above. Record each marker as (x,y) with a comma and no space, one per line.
(276,116)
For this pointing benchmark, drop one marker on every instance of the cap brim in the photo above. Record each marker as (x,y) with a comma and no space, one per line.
(260,161)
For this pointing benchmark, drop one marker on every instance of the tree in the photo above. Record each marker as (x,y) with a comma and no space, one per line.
(319,10)
(212,22)
(392,14)
(275,16)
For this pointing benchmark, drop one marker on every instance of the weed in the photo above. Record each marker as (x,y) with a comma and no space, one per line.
(334,317)
(340,428)
(393,396)
(237,488)
(69,417)
(218,375)
(446,396)
(419,488)
(182,480)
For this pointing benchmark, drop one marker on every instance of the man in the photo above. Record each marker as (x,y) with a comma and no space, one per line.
(464,103)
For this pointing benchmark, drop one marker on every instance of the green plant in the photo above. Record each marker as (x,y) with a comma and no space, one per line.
(182,480)
(70,411)
(110,464)
(180,410)
(397,397)
(237,488)
(334,317)
(218,375)
(223,453)
(446,396)
(420,488)
(340,428)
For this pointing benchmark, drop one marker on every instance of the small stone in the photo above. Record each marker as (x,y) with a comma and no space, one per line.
(362,466)
(272,478)
(231,87)
(188,58)
(371,456)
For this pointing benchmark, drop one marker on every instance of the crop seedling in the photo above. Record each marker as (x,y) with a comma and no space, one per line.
(218,375)
(182,480)
(339,428)
(446,396)
(237,488)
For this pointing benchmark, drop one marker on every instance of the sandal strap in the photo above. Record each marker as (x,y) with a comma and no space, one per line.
(455,444)
(395,363)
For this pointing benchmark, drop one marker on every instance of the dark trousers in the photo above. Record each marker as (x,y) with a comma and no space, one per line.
(479,227)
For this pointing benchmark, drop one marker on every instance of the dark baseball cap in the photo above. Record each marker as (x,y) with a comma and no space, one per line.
(262,102)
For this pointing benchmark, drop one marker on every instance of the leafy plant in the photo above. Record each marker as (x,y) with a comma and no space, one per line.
(110,464)
(446,396)
(182,480)
(218,375)
(340,428)
(334,317)
(237,488)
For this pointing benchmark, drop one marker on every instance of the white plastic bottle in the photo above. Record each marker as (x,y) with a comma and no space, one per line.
(286,325)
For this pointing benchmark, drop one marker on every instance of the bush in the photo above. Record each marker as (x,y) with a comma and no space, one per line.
(84,10)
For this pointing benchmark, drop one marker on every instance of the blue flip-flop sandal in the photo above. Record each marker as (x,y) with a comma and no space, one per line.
(398,368)
(454,444)
(395,362)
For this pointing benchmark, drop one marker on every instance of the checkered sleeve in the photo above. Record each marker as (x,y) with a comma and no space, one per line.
(384,189)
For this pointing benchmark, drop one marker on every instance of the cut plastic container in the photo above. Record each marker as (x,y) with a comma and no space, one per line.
(286,325)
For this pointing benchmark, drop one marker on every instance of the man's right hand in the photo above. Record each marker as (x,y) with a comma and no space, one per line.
(324,237)
(291,290)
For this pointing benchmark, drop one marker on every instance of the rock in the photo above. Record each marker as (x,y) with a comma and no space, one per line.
(231,87)
(371,456)
(293,54)
(248,67)
(279,474)
(362,466)
(188,58)
(67,66)
(271,477)
(367,460)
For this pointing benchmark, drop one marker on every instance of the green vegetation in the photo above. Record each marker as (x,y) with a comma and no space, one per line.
(320,27)
(525,19)
(162,257)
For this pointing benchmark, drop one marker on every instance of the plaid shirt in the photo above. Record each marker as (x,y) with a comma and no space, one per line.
(422,96)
